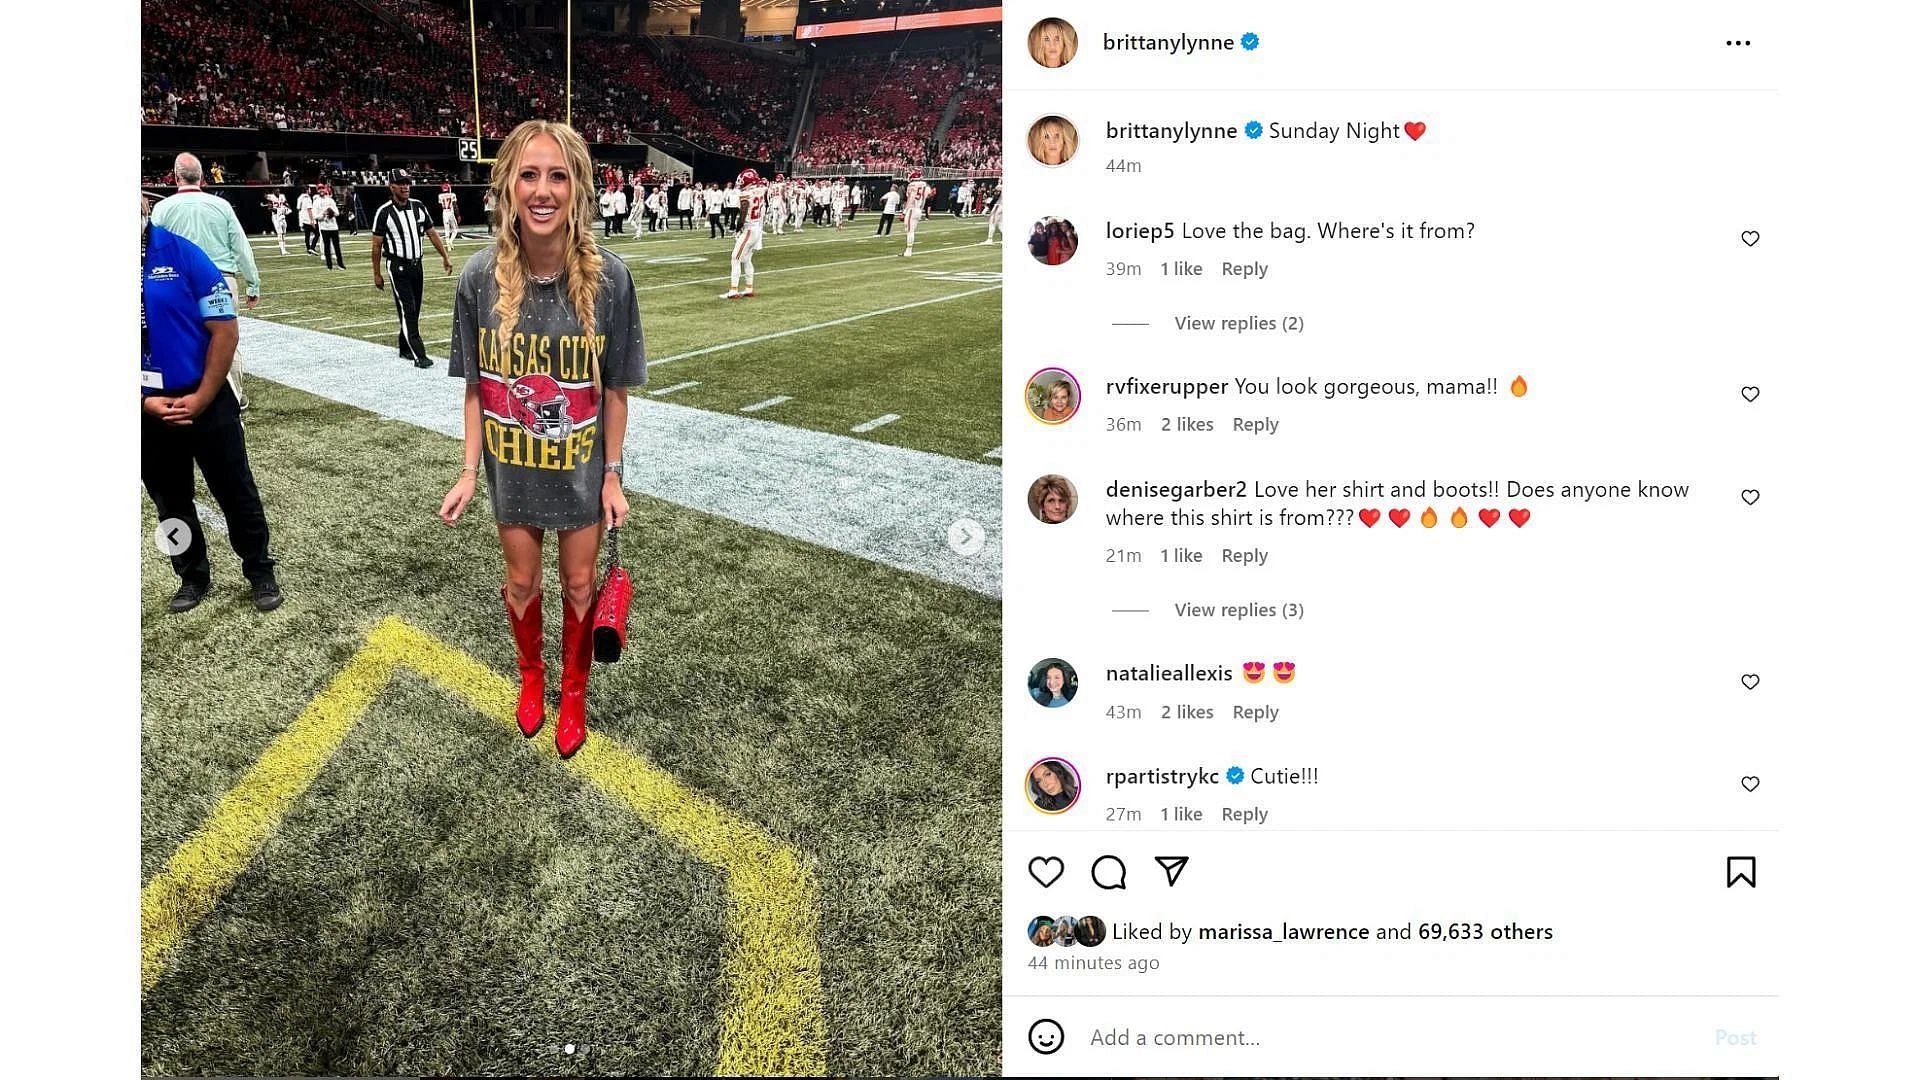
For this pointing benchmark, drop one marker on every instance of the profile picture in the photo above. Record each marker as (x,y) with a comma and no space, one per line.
(1063,931)
(1042,930)
(1053,395)
(1052,42)
(1052,786)
(1089,930)
(1052,499)
(1052,140)
(1052,683)
(1052,241)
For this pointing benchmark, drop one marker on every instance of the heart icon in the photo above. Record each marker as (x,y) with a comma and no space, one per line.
(1750,392)
(1489,518)
(1750,237)
(1750,496)
(1749,782)
(1046,870)
(1414,129)
(1369,518)
(1520,516)
(1398,517)
(1749,681)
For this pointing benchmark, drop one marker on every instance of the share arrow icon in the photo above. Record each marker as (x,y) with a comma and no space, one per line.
(1174,865)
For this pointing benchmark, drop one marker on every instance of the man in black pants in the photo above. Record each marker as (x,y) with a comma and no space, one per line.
(189,415)
(398,230)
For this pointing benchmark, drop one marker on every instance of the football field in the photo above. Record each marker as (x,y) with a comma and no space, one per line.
(779,851)
(842,329)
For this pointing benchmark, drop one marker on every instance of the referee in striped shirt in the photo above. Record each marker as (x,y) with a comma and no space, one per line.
(398,228)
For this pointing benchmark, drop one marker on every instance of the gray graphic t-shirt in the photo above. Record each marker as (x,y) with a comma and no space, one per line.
(539,406)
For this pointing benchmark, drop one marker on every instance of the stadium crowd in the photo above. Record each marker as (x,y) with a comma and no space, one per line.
(878,113)
(316,65)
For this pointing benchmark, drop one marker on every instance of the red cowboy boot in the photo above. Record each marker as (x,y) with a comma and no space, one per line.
(576,658)
(529,640)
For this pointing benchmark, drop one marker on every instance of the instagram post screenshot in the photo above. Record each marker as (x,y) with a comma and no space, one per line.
(951,538)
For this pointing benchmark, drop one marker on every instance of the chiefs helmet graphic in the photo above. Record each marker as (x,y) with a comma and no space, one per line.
(749,177)
(540,406)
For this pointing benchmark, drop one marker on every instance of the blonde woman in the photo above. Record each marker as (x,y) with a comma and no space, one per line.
(547,336)
(1052,42)
(1060,405)
(1052,140)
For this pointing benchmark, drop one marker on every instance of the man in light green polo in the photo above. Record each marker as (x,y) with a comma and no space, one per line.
(209,221)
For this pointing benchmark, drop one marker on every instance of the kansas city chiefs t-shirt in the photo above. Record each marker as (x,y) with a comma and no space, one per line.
(539,408)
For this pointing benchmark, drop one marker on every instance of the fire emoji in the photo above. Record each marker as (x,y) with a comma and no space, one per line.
(1459,517)
(1428,519)
(1519,386)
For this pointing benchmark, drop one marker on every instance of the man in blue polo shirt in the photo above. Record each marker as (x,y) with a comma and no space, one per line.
(188,414)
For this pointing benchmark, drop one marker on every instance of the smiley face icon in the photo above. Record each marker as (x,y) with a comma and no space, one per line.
(1046,1036)
(1253,671)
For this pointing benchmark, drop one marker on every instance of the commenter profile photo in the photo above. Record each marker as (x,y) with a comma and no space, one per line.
(1053,140)
(1052,683)
(1052,499)
(1053,395)
(1053,241)
(1052,43)
(1052,785)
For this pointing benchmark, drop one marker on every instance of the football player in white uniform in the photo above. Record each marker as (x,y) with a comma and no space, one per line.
(838,194)
(995,199)
(753,205)
(918,192)
(449,212)
(777,203)
(277,206)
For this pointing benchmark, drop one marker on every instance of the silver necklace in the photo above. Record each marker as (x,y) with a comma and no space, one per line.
(547,280)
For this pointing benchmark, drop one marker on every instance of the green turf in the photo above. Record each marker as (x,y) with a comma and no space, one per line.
(442,900)
(936,366)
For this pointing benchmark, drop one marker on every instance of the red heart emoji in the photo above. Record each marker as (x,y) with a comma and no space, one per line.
(1414,129)
(1520,516)
(1398,517)
(1489,518)
(1369,518)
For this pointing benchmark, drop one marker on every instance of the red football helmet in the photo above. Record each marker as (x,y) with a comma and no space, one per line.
(539,405)
(913,174)
(777,177)
(749,177)
(446,186)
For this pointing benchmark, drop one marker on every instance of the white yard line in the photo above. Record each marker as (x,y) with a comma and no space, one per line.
(993,453)
(393,321)
(934,252)
(947,249)
(876,422)
(275,314)
(818,326)
(884,503)
(769,403)
(665,390)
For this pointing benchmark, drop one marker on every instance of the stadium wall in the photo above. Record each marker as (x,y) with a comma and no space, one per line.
(708,166)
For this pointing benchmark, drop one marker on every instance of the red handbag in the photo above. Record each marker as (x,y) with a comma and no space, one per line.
(610,608)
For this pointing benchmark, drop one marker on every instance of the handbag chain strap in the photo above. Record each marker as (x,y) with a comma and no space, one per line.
(613,546)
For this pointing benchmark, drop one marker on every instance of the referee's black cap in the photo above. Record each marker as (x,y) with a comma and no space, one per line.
(401,176)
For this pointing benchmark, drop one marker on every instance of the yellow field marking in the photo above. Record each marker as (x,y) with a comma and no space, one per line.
(774,1024)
